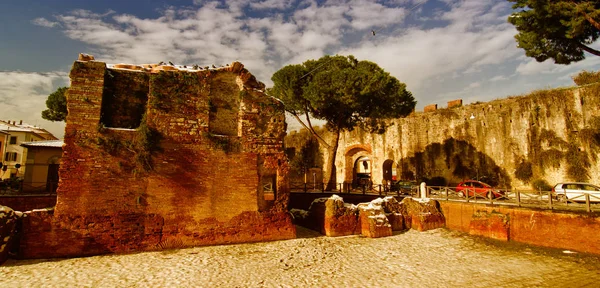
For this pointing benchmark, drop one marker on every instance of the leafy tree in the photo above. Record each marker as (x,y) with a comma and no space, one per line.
(57,105)
(344,92)
(557,29)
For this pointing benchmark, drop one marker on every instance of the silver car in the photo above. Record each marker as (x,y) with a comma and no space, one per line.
(576,191)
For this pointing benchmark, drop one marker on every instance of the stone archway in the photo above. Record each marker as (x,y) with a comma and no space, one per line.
(389,170)
(351,158)
(362,171)
(352,154)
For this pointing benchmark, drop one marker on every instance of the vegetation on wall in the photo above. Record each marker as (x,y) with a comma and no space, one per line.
(586,77)
(136,152)
(453,161)
(144,144)
(172,88)
(547,150)
(227,144)
(541,185)
(524,171)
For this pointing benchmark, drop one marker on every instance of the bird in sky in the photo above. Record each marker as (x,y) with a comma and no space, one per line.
(373,32)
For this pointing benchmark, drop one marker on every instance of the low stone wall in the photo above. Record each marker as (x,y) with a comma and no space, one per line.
(28,202)
(555,229)
(45,235)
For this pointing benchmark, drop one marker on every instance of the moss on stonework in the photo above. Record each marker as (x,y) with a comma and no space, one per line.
(225,143)
(170,89)
(138,150)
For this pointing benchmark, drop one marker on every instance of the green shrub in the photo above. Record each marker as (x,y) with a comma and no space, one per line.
(586,77)
(577,164)
(524,171)
(436,181)
(541,185)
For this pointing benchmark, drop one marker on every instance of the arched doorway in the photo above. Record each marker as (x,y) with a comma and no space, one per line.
(362,171)
(389,171)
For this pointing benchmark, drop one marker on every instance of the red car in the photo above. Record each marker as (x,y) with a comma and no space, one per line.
(476,188)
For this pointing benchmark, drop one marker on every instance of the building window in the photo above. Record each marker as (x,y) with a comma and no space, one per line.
(10,156)
(13,140)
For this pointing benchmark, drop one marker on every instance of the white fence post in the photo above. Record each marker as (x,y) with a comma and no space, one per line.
(423,190)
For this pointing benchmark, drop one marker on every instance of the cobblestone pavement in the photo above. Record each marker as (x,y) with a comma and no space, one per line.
(437,258)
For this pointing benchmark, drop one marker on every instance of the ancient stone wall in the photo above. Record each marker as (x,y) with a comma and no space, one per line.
(157,158)
(547,136)
(556,229)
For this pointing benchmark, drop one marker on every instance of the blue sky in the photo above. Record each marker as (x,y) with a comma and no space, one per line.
(442,49)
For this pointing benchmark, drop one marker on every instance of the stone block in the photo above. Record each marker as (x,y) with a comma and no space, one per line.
(340,218)
(422,215)
(373,221)
(8,223)
(397,221)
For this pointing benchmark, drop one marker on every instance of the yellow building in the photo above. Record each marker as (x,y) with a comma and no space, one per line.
(3,140)
(13,154)
(41,166)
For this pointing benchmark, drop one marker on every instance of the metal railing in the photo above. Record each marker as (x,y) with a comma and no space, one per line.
(520,198)
(352,188)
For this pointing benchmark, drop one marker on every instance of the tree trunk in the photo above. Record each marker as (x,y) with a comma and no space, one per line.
(592,21)
(588,49)
(332,149)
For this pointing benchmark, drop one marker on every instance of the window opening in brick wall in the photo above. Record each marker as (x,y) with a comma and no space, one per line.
(269,187)
(13,140)
(124,98)
(224,105)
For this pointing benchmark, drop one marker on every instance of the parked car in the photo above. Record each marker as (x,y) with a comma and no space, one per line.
(405,187)
(575,191)
(363,179)
(476,188)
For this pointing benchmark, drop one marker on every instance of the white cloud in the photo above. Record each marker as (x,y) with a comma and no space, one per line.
(23,97)
(498,78)
(368,15)
(532,67)
(473,40)
(44,22)
(271,4)
(474,85)
(453,44)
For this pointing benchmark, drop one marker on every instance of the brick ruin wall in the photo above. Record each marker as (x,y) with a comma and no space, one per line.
(162,159)
(556,131)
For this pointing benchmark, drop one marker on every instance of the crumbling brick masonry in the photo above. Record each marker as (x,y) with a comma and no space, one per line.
(162,157)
